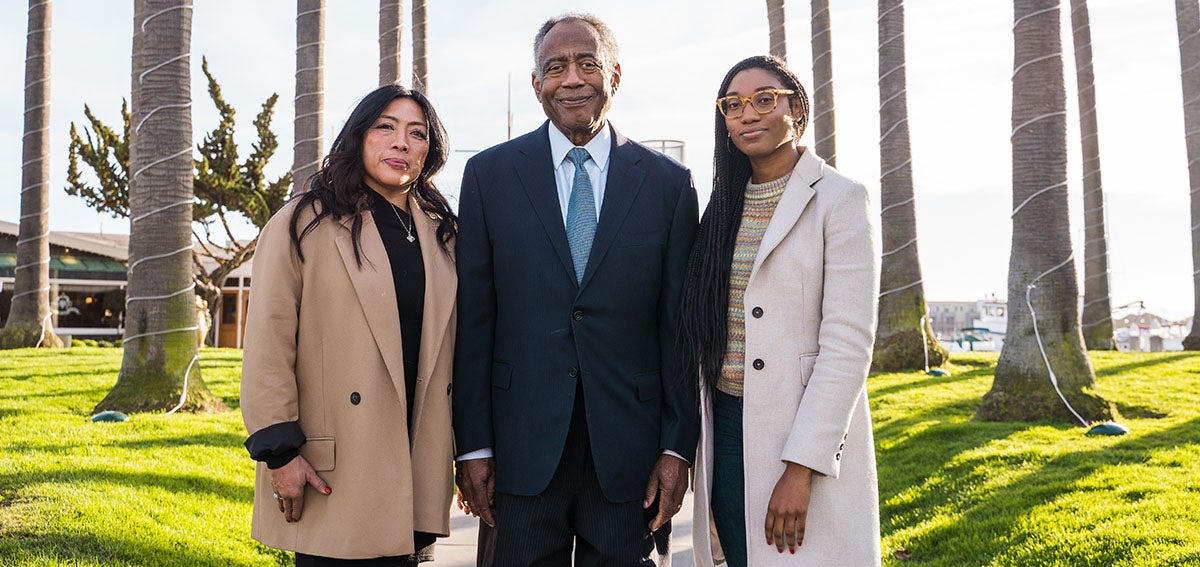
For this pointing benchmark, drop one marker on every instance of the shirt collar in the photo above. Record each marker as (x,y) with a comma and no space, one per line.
(598,147)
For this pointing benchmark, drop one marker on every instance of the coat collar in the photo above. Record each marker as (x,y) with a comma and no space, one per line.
(795,199)
(376,294)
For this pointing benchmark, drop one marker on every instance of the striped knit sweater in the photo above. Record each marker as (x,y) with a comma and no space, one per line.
(761,200)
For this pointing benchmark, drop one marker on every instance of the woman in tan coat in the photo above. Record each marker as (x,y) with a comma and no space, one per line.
(346,373)
(778,322)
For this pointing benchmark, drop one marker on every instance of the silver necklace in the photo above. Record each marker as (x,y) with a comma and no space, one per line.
(407,228)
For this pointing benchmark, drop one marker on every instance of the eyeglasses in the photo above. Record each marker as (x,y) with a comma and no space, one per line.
(763,102)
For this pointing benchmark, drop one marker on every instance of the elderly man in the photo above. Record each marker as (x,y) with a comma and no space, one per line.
(573,428)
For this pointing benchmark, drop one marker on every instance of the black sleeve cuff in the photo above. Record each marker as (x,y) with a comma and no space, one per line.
(276,445)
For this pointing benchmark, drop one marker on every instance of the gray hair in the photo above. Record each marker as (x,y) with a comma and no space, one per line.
(606,42)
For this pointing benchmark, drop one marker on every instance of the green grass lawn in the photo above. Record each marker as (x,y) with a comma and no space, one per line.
(176,490)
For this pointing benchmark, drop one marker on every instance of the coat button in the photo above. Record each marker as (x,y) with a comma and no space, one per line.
(757,312)
(355,398)
(759,364)
(577,315)
(573,372)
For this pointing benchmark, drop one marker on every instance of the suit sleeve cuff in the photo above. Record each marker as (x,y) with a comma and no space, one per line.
(276,445)
(676,455)
(485,453)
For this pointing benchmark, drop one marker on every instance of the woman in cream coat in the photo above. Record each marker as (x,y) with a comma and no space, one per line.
(350,338)
(779,318)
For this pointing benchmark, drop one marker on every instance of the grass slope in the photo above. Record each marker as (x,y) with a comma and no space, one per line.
(959,492)
(175,490)
(157,490)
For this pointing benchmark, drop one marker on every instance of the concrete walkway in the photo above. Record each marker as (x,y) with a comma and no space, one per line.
(458,550)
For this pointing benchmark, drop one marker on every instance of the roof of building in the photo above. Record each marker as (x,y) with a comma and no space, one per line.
(114,246)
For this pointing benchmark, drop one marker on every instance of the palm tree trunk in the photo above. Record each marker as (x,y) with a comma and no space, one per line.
(822,121)
(777,21)
(420,80)
(310,91)
(1097,306)
(28,321)
(1187,17)
(902,302)
(159,359)
(1041,242)
(391,19)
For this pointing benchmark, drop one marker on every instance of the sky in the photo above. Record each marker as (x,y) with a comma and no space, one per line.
(673,55)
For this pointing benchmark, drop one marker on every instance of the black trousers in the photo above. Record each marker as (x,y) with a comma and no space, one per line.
(572,514)
(425,545)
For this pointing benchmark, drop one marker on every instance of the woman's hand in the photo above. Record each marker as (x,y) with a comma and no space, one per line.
(289,481)
(788,508)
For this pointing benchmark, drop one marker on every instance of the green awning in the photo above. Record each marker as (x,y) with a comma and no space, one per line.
(73,263)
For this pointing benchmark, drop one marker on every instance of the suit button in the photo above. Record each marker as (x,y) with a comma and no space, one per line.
(757,312)
(759,364)
(355,398)
(577,315)
(573,372)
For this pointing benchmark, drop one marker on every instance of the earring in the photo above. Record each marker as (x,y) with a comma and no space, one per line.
(729,144)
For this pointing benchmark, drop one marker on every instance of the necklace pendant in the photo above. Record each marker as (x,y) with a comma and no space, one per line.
(412,238)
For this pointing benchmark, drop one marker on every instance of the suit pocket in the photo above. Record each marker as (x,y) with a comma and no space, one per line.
(319,452)
(649,385)
(501,375)
(807,361)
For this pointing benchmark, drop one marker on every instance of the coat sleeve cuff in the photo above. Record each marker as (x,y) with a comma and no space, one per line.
(276,445)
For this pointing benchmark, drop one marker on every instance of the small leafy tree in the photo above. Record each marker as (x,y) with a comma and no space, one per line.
(224,185)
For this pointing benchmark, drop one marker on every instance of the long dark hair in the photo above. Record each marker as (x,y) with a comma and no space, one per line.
(704,331)
(339,184)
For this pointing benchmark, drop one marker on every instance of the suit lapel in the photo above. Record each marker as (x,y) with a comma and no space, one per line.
(441,286)
(795,199)
(376,294)
(536,171)
(624,181)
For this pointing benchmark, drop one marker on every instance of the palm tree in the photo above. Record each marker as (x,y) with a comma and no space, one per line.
(1097,306)
(420,79)
(391,18)
(903,325)
(310,91)
(776,20)
(822,121)
(1187,19)
(158,368)
(28,321)
(1043,347)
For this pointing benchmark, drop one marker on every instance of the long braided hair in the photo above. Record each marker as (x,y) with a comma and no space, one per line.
(704,313)
(339,185)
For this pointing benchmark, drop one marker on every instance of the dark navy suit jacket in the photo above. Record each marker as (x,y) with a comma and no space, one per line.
(527,332)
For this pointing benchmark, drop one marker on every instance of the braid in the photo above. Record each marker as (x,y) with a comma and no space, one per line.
(704,331)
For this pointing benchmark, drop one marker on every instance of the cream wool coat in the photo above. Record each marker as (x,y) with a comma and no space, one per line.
(816,279)
(320,330)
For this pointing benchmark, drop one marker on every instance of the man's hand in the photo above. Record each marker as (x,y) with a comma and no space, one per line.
(476,480)
(787,512)
(668,482)
(289,481)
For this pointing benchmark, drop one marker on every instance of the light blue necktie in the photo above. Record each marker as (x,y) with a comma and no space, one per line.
(581,213)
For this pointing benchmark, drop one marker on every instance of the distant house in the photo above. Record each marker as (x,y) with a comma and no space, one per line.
(969,325)
(1147,332)
(87,285)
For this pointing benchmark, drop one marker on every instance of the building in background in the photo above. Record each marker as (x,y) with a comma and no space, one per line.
(87,280)
(87,286)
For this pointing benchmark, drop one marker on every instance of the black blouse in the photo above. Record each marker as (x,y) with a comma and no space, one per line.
(408,275)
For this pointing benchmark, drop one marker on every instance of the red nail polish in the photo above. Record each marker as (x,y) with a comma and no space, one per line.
(793,552)
(328,490)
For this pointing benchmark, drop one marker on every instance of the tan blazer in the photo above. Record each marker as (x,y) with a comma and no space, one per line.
(816,280)
(321,330)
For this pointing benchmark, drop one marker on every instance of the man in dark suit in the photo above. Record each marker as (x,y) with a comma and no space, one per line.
(571,253)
